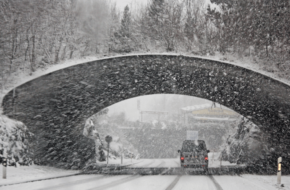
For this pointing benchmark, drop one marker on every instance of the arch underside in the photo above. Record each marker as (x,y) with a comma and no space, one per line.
(55,106)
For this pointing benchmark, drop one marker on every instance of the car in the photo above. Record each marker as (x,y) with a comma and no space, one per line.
(194,155)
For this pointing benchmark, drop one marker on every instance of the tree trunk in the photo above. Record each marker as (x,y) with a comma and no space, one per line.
(71,54)
(267,50)
(56,58)
(3,80)
(28,47)
(16,44)
(63,56)
(10,65)
(33,56)
(12,53)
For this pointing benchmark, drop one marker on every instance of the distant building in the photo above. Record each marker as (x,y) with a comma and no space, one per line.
(208,114)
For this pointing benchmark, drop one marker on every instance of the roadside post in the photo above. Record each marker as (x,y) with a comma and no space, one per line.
(279,172)
(221,158)
(108,139)
(4,163)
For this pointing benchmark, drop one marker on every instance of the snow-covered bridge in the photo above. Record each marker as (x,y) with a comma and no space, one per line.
(55,106)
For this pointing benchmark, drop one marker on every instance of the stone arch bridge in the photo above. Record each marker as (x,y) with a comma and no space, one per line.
(56,105)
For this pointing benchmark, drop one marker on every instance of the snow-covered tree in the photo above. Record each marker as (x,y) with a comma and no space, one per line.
(126,23)
(163,24)
(15,138)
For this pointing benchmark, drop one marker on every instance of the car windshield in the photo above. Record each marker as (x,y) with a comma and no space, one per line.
(145,94)
(190,146)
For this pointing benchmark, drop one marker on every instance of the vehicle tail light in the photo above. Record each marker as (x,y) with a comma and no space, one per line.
(181,158)
(206,158)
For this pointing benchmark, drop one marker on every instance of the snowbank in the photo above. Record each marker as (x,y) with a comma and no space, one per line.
(271,181)
(34,172)
(214,161)
(246,145)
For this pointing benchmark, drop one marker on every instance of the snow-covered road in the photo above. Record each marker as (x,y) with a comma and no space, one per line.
(158,182)
(156,163)
(151,182)
(174,162)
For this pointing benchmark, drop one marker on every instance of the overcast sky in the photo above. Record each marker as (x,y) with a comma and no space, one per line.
(122,3)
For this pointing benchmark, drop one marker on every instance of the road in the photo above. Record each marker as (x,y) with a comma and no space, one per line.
(128,182)
(157,163)
(147,182)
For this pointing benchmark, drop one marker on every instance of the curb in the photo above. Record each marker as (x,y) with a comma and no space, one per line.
(104,167)
(41,179)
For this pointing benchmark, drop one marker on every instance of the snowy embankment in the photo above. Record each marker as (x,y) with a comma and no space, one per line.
(117,161)
(270,181)
(214,161)
(34,172)
(23,174)
(252,182)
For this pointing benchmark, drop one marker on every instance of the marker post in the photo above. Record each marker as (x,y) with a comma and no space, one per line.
(4,163)
(108,140)
(279,172)
(122,155)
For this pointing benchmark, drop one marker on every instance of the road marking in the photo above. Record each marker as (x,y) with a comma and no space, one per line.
(75,182)
(171,186)
(115,183)
(216,184)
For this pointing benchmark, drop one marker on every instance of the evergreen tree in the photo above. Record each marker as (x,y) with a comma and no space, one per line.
(155,18)
(123,40)
(155,10)
(125,23)
(188,28)
(247,24)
